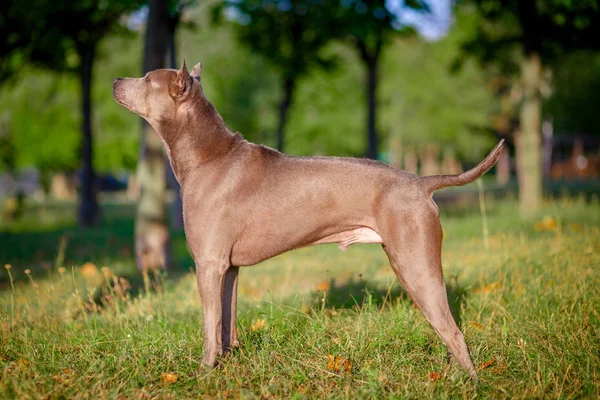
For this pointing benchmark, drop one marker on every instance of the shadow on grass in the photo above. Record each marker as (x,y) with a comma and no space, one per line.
(364,293)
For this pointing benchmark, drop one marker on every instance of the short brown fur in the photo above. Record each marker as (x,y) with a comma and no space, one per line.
(244,203)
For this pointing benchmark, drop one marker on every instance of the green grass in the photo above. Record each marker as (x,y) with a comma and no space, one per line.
(330,323)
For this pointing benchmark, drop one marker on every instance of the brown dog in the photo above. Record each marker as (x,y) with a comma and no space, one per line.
(244,203)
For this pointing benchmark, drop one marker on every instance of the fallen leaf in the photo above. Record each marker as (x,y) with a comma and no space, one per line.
(347,365)
(435,376)
(487,364)
(257,325)
(476,325)
(500,368)
(546,224)
(168,377)
(487,288)
(334,363)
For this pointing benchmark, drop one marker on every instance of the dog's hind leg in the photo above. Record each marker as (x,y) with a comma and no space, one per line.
(210,276)
(413,246)
(229,307)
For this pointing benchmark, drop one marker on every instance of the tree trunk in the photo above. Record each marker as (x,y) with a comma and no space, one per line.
(289,84)
(89,211)
(372,76)
(528,148)
(152,244)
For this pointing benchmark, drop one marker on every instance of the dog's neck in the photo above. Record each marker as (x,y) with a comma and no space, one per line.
(196,136)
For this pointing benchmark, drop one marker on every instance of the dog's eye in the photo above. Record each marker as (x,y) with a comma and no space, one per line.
(147,80)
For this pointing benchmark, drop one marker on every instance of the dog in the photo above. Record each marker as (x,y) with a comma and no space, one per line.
(244,203)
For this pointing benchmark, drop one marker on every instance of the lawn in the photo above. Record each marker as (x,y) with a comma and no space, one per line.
(77,320)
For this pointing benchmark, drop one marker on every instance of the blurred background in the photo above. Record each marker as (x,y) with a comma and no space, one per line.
(427,86)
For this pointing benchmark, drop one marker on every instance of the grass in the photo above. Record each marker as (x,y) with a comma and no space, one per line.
(313,323)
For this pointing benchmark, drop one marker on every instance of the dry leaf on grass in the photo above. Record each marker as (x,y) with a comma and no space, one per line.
(435,376)
(336,363)
(476,325)
(168,377)
(258,325)
(487,364)
(546,224)
(487,288)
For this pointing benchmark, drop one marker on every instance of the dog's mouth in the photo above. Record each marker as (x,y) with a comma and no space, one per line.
(118,94)
(121,99)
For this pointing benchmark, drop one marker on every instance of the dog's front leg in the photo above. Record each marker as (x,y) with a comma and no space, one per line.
(210,276)
(229,307)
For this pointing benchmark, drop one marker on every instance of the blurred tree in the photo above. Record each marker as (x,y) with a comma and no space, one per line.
(575,93)
(63,36)
(152,241)
(426,103)
(152,244)
(247,101)
(532,33)
(40,103)
(289,34)
(328,111)
(370,25)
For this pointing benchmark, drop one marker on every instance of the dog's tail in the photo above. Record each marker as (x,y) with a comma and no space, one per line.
(432,183)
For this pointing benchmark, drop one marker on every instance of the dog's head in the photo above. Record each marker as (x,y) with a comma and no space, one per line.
(159,95)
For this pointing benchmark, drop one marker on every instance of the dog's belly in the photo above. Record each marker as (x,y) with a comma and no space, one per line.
(352,236)
(258,250)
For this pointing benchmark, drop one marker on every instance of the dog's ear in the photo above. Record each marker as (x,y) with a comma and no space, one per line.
(197,71)
(182,82)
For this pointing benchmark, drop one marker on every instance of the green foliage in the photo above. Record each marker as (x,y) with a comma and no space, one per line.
(241,85)
(546,27)
(575,94)
(51,34)
(328,112)
(44,114)
(426,102)
(44,133)
(289,34)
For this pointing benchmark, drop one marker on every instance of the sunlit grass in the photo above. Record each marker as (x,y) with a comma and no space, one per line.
(318,322)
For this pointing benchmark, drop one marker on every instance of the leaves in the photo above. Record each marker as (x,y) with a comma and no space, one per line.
(338,363)
(487,288)
(435,376)
(547,224)
(258,325)
(168,378)
(493,365)
(476,325)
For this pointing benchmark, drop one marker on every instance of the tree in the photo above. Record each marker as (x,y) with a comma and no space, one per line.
(533,33)
(370,25)
(427,103)
(289,34)
(63,36)
(152,244)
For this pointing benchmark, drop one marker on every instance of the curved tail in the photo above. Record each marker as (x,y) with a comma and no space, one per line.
(435,182)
